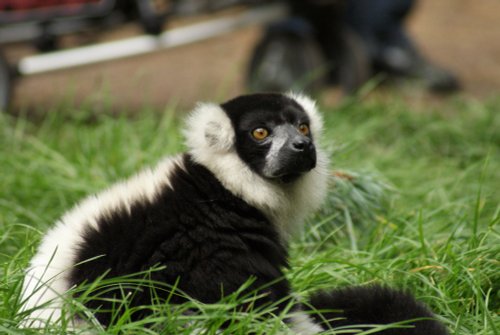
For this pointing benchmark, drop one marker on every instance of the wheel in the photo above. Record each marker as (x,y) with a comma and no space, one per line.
(5,83)
(354,68)
(153,14)
(287,57)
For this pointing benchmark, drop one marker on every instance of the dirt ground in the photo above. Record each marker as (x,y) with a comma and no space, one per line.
(461,35)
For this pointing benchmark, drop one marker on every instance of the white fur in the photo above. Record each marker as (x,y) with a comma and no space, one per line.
(286,205)
(46,277)
(279,138)
(309,106)
(303,325)
(209,129)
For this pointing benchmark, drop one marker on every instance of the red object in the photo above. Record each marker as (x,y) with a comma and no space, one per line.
(18,11)
(20,5)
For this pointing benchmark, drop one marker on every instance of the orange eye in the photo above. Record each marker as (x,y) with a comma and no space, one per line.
(260,133)
(304,129)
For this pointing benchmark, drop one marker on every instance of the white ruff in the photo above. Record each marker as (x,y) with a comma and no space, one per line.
(210,138)
(46,278)
(309,106)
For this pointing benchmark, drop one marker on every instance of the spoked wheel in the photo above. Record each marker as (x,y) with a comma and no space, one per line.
(289,56)
(153,14)
(354,67)
(286,59)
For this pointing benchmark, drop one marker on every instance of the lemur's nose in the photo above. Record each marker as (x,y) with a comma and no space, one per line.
(301,144)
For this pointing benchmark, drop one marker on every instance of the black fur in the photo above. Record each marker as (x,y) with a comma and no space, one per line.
(268,111)
(210,241)
(374,305)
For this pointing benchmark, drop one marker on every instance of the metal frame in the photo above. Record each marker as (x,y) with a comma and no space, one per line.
(59,60)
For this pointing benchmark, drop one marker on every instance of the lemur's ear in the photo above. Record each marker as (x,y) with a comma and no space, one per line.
(209,128)
(311,110)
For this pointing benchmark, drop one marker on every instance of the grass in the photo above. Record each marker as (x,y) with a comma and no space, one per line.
(420,211)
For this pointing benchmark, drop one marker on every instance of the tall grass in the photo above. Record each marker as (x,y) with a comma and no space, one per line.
(420,211)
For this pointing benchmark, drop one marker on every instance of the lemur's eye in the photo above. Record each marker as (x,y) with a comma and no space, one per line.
(304,129)
(260,133)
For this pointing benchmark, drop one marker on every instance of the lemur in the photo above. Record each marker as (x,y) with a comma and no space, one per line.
(215,216)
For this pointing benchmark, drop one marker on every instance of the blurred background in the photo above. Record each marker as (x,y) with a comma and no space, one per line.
(460,38)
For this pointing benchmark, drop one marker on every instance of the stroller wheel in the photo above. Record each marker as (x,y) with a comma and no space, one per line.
(286,58)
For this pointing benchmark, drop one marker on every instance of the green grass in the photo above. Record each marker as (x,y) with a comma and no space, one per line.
(423,207)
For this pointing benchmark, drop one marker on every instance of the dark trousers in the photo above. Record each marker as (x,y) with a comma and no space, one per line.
(378,22)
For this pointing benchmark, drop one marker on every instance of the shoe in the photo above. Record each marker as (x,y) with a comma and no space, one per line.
(408,63)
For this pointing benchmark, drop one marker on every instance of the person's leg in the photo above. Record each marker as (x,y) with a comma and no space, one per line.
(346,58)
(380,24)
(327,20)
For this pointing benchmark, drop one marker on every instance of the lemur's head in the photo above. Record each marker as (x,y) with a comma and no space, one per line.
(262,148)
(273,134)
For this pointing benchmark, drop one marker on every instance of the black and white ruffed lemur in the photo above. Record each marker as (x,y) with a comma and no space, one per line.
(213,217)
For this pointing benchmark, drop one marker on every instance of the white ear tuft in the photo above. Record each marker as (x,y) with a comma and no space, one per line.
(209,128)
(309,106)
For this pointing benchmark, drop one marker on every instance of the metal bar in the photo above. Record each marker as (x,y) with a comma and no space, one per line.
(145,44)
